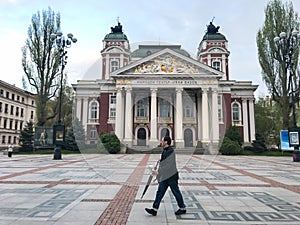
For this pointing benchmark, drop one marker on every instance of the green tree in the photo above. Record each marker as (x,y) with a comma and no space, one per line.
(75,138)
(230,147)
(66,107)
(266,112)
(279,17)
(109,143)
(26,138)
(233,134)
(40,63)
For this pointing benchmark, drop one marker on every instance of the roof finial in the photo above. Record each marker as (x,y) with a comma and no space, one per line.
(212,19)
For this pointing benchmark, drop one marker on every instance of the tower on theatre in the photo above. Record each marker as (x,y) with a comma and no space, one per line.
(159,90)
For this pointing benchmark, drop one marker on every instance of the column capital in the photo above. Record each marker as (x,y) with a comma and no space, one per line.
(128,89)
(153,90)
(179,90)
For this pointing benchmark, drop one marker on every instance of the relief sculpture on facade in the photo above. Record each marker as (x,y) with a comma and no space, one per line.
(166,64)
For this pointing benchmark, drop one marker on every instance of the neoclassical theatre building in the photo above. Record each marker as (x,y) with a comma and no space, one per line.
(159,90)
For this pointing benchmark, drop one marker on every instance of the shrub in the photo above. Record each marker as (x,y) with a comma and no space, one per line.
(109,142)
(233,134)
(230,147)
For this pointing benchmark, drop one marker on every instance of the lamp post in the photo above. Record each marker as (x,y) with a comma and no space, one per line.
(287,46)
(60,43)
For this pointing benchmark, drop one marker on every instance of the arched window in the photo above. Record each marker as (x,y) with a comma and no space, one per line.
(236,113)
(114,65)
(94,107)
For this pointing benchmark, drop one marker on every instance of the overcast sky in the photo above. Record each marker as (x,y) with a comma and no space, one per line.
(176,22)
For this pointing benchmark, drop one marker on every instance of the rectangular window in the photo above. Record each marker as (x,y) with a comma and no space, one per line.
(6,108)
(112,112)
(11,110)
(113,99)
(93,134)
(114,65)
(220,114)
(112,107)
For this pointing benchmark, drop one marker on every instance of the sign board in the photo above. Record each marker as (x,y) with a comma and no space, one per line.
(284,141)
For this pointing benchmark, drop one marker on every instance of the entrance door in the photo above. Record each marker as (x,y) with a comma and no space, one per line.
(141,135)
(188,138)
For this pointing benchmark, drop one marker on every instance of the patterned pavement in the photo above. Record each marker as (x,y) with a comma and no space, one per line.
(103,189)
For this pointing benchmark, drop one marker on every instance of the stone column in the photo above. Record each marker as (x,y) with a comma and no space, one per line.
(107,66)
(119,114)
(252,120)
(245,120)
(224,67)
(205,117)
(215,117)
(128,118)
(78,109)
(85,112)
(178,122)
(153,142)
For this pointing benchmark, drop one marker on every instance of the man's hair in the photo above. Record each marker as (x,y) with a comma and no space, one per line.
(167,139)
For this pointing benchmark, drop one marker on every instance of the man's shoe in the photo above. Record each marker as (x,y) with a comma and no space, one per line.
(180,212)
(151,211)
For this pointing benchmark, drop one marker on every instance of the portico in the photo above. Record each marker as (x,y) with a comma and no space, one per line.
(148,109)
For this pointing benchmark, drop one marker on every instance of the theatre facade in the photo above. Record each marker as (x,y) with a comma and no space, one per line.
(159,90)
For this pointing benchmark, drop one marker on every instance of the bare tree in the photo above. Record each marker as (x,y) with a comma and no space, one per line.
(278,18)
(41,63)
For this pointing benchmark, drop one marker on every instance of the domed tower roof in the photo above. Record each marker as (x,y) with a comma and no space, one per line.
(213,50)
(116,33)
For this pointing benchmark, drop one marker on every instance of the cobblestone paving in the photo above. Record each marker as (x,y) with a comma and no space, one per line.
(106,189)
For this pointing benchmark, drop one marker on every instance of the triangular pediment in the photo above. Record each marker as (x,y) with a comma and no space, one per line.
(168,62)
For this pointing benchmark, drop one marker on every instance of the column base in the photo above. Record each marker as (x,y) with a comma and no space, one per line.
(179,144)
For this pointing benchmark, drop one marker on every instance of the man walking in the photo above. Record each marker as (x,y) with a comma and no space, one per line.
(167,176)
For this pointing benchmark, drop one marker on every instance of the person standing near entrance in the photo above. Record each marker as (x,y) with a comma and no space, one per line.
(167,176)
(10,151)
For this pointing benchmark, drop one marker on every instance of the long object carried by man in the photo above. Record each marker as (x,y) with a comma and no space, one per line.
(149,179)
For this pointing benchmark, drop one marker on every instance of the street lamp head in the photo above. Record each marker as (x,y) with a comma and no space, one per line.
(276,39)
(282,35)
(70,35)
(59,34)
(53,36)
(74,40)
(295,33)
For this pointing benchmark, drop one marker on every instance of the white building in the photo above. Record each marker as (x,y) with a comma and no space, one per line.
(160,90)
(16,108)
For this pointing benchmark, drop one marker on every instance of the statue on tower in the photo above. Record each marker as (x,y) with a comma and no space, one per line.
(212,29)
(117,29)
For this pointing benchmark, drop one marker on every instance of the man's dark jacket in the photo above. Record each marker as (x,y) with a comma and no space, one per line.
(167,167)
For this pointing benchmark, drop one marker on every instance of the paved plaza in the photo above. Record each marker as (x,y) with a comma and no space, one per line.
(104,189)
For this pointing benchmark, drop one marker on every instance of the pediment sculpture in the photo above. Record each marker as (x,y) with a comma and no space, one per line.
(165,64)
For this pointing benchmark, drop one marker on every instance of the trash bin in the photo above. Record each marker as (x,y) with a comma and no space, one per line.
(9,154)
